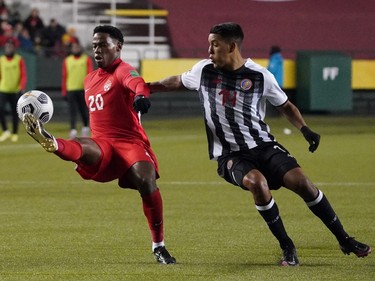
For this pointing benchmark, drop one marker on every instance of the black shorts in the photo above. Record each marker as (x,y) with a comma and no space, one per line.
(270,158)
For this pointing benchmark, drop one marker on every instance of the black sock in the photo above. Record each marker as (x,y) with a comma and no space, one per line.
(270,214)
(323,210)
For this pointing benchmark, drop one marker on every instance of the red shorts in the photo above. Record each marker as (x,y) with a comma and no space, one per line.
(117,157)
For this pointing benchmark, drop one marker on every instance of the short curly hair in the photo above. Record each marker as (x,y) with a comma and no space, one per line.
(112,31)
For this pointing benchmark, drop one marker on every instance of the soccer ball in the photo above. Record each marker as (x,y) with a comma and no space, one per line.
(37,103)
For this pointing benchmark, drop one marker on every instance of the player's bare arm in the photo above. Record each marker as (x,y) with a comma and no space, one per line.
(172,83)
(294,116)
(291,112)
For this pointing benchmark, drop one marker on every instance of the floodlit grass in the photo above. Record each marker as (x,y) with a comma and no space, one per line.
(55,226)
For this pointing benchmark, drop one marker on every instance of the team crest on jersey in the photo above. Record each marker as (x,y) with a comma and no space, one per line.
(107,85)
(246,84)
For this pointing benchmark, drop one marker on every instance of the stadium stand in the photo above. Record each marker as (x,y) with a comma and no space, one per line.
(180,31)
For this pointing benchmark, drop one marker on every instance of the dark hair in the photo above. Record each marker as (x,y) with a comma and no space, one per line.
(275,49)
(229,31)
(113,32)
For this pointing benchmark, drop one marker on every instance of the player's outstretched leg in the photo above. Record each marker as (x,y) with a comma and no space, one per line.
(323,209)
(353,246)
(162,255)
(34,128)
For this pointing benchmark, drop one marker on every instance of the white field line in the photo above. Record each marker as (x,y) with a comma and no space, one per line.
(176,183)
(7,147)
(225,183)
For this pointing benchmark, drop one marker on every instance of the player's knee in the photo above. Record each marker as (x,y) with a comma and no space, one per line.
(145,185)
(141,176)
(255,182)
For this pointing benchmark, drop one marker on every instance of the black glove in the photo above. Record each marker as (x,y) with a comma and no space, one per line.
(312,138)
(141,104)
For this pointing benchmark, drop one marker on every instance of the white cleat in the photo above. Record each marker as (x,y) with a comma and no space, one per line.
(5,135)
(85,132)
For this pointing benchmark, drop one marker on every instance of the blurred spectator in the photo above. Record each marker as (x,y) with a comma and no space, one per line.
(15,18)
(25,41)
(6,34)
(4,11)
(17,29)
(12,82)
(52,38)
(276,65)
(34,24)
(69,38)
(74,69)
(38,48)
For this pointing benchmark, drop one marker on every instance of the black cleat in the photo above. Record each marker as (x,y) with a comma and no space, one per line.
(352,246)
(162,255)
(289,256)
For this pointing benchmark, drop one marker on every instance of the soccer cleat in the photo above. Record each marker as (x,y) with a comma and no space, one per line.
(5,135)
(85,132)
(14,138)
(73,134)
(289,257)
(35,129)
(352,246)
(162,255)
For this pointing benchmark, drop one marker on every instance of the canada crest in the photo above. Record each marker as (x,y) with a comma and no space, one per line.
(107,85)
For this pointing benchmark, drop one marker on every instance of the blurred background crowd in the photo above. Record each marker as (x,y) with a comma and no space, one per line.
(32,34)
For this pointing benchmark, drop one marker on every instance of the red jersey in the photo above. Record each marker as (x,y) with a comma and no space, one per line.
(109,95)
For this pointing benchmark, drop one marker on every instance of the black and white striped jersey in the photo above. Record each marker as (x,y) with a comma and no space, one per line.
(234,104)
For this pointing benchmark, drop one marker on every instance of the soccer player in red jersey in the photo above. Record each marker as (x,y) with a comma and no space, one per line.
(119,147)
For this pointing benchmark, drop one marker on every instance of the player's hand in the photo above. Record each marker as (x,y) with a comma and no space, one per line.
(141,104)
(312,138)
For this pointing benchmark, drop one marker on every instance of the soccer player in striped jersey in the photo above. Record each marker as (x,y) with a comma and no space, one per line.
(233,92)
(119,148)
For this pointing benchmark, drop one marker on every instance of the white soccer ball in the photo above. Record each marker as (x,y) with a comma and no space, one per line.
(287,131)
(37,103)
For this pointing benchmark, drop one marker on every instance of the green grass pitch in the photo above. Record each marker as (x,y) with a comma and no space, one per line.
(56,226)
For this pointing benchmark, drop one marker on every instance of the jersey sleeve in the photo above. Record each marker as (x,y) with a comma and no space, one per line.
(134,82)
(274,94)
(64,75)
(23,74)
(191,78)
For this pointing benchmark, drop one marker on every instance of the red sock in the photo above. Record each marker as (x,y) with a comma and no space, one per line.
(69,150)
(153,210)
